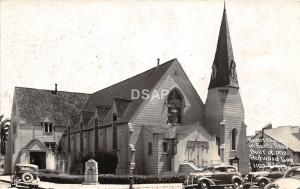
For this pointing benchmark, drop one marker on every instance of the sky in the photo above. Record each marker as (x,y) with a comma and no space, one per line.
(85,46)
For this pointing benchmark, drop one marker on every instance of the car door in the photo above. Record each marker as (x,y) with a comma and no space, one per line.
(220,175)
(231,171)
(275,173)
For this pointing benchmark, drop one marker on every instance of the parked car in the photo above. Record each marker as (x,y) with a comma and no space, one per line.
(221,176)
(25,174)
(266,175)
(290,180)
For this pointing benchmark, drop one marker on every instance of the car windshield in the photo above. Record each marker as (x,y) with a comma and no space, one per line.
(293,173)
(24,168)
(208,169)
(266,169)
(231,169)
(220,169)
(275,169)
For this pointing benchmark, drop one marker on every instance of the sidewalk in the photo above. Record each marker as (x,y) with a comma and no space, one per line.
(48,185)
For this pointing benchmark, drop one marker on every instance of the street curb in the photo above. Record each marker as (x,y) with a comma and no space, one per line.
(6,181)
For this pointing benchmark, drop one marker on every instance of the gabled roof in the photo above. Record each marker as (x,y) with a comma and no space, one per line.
(36,104)
(122,90)
(223,68)
(35,142)
(103,110)
(287,135)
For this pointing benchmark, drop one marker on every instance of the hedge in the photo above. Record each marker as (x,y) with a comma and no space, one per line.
(113,179)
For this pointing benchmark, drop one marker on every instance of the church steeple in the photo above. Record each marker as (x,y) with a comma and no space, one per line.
(223,68)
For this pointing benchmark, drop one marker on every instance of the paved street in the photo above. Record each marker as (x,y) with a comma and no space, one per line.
(47,185)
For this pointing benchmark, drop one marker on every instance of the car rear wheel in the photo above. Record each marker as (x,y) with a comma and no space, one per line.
(27,177)
(204,184)
(262,183)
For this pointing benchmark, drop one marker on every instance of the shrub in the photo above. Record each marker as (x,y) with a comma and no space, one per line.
(61,178)
(115,179)
(47,171)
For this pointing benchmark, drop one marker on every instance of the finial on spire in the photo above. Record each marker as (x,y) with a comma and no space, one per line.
(224,5)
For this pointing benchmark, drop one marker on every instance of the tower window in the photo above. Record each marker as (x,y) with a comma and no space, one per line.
(165,147)
(175,104)
(232,69)
(149,148)
(233,139)
(214,72)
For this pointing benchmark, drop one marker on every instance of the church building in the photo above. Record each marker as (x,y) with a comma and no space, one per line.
(154,122)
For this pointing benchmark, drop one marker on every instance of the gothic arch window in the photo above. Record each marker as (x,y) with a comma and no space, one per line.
(175,106)
(232,69)
(115,134)
(214,72)
(233,139)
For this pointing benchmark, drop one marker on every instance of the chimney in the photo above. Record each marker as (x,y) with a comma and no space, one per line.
(158,62)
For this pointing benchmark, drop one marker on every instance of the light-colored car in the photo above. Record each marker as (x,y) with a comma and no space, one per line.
(290,180)
(25,174)
(266,175)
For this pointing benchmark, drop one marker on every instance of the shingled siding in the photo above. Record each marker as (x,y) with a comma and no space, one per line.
(231,110)
(155,111)
(213,111)
(150,160)
(234,116)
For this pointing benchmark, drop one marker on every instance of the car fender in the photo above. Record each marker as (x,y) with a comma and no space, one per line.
(237,177)
(212,183)
(261,177)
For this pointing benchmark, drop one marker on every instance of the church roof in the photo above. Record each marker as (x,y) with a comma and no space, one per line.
(34,105)
(120,93)
(223,68)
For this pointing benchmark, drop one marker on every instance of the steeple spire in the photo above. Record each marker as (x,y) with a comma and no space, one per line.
(223,68)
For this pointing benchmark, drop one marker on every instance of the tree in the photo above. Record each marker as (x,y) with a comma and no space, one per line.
(4,125)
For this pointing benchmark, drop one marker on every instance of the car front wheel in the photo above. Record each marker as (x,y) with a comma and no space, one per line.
(237,183)
(204,184)
(262,183)
(27,177)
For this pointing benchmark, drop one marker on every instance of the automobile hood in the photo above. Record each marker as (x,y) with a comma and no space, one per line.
(287,183)
(200,174)
(259,173)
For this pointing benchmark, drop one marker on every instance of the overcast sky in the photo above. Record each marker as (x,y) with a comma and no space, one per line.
(85,46)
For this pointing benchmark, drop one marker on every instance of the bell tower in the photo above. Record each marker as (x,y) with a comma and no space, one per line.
(224,111)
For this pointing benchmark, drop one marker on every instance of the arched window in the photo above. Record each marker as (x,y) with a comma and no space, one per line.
(214,72)
(175,105)
(115,134)
(233,139)
(232,69)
